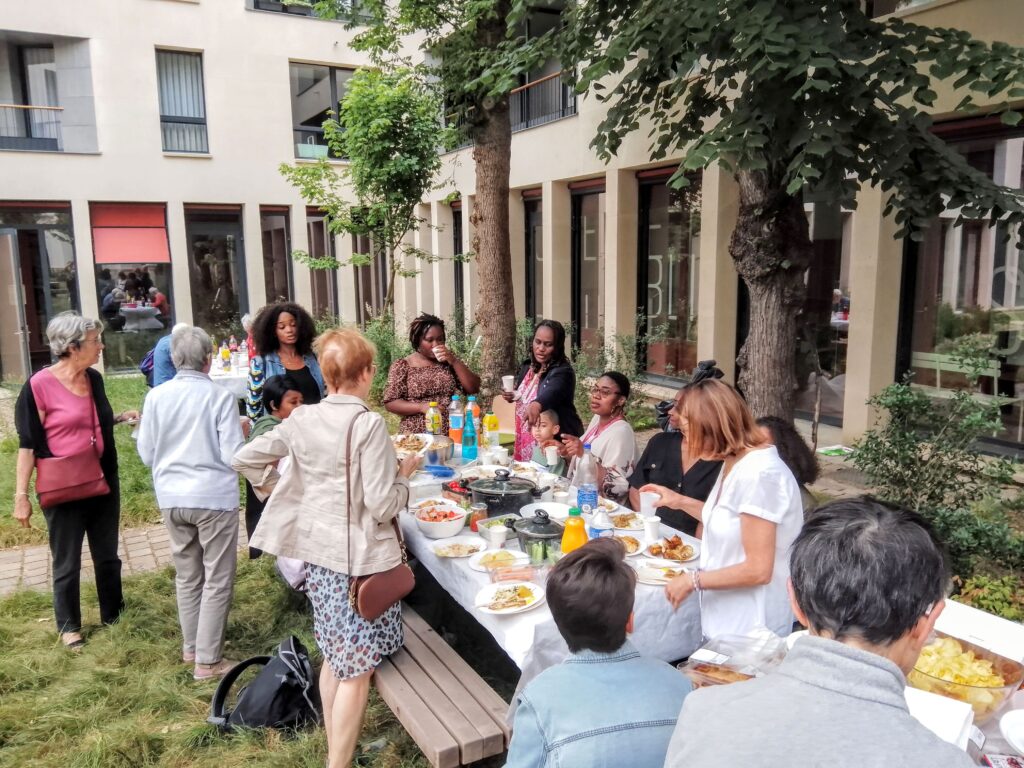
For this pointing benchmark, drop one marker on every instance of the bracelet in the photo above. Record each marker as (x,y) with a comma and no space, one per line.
(20,493)
(695,577)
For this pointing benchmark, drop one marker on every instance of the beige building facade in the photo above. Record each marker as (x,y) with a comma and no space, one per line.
(144,136)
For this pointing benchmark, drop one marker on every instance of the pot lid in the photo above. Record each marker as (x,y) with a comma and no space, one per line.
(540,526)
(503,483)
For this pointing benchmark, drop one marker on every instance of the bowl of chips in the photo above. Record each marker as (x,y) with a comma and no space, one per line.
(966,672)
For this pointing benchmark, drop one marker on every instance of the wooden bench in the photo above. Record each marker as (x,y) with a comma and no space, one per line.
(452,714)
(944,363)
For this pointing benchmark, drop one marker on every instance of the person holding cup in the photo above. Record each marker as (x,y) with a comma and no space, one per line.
(545,381)
(431,373)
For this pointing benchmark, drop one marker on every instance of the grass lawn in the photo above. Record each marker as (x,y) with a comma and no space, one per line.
(138,504)
(127,701)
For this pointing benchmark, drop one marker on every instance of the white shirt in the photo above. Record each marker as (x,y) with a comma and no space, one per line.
(759,484)
(188,435)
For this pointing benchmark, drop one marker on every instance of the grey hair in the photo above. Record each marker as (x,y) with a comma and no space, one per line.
(862,568)
(190,348)
(67,330)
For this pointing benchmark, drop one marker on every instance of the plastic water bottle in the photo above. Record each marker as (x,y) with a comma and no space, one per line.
(601,525)
(472,407)
(455,420)
(469,448)
(585,479)
(233,343)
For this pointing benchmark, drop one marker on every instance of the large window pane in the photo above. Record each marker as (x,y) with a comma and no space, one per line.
(276,256)
(670,248)
(534,259)
(588,268)
(371,280)
(324,281)
(182,101)
(134,318)
(315,92)
(967,281)
(458,266)
(216,271)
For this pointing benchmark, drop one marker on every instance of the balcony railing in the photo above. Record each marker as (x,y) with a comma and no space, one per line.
(23,126)
(542,101)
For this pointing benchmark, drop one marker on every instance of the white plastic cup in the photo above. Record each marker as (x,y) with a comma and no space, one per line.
(652,528)
(437,352)
(648,503)
(560,497)
(496,537)
(508,383)
(551,455)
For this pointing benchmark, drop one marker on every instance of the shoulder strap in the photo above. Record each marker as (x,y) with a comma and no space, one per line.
(217,715)
(92,417)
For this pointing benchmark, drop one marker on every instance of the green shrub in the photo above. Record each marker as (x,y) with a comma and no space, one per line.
(1003,595)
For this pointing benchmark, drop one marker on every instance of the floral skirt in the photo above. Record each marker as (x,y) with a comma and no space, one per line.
(349,643)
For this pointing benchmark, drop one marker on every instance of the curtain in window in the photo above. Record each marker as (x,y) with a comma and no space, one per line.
(182,101)
(41,89)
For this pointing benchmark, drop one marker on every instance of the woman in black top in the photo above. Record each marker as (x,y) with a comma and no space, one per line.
(546,381)
(664,462)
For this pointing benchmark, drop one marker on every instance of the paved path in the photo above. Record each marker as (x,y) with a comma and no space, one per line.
(141,550)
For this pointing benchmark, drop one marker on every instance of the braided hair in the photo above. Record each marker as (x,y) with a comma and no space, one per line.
(419,327)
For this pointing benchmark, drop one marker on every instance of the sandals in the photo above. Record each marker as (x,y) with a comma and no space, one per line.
(75,645)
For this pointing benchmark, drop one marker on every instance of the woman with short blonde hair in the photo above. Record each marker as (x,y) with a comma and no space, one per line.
(335,510)
(750,519)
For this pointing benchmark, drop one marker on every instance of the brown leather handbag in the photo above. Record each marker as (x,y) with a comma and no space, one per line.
(72,478)
(370,596)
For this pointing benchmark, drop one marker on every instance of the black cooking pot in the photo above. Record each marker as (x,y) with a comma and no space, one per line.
(504,494)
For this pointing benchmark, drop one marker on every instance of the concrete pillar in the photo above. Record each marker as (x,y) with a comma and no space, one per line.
(717,278)
(425,279)
(620,266)
(556,205)
(875,272)
(442,270)
(252,239)
(300,272)
(517,243)
(85,262)
(181,274)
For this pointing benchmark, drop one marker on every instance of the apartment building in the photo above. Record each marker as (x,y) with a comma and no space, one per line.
(140,142)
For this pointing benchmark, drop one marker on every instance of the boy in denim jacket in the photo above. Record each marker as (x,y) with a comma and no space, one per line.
(605,705)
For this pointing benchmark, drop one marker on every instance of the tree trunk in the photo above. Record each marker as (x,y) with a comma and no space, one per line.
(495,308)
(771,249)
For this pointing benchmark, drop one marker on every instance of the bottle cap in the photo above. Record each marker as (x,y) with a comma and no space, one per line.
(455,397)
(433,403)
(473,398)
(586,446)
(574,512)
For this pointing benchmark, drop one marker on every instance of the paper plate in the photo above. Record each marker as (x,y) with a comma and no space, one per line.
(517,558)
(486,595)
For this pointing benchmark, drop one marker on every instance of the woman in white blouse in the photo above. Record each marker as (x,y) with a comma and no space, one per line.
(750,519)
(610,437)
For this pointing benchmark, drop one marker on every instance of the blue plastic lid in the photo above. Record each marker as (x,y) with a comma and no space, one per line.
(471,397)
(438,470)
(456,397)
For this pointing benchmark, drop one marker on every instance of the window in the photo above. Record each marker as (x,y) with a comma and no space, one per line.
(371,279)
(216,265)
(588,268)
(669,261)
(316,91)
(460,277)
(182,101)
(534,258)
(324,281)
(277,272)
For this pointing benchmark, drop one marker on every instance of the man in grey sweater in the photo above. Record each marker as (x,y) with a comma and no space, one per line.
(868,580)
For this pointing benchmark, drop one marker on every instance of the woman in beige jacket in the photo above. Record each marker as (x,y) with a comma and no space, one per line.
(307,518)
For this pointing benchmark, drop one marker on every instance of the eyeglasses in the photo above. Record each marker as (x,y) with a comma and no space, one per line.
(604,391)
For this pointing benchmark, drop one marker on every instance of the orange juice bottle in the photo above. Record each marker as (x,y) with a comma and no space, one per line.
(575,535)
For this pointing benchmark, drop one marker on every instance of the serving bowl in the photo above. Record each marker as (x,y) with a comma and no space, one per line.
(441,529)
(986,701)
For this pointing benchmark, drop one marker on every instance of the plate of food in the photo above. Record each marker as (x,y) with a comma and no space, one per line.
(656,575)
(406,445)
(490,559)
(627,521)
(461,546)
(673,548)
(509,597)
(609,506)
(631,543)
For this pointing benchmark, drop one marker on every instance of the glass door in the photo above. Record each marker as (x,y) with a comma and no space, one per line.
(217,266)
(14,360)
(588,269)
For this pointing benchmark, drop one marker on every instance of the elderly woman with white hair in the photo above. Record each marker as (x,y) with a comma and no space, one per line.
(66,435)
(188,436)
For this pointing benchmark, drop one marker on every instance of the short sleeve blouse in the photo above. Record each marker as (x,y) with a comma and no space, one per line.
(760,484)
(436,381)
(616,451)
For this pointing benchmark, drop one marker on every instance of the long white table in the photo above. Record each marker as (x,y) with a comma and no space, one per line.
(531,638)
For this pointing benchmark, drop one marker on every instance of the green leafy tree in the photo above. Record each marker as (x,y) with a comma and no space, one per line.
(388,127)
(476,52)
(790,96)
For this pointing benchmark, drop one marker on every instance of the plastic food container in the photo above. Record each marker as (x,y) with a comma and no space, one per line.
(985,701)
(494,529)
(733,659)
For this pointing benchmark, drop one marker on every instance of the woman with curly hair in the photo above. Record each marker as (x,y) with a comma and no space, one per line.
(432,373)
(284,334)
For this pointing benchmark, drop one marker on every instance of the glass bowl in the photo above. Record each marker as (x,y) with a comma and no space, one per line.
(985,700)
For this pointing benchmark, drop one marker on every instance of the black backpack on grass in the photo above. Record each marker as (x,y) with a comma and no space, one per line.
(283,695)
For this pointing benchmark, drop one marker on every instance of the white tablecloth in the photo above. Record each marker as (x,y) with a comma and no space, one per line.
(531,638)
(235,380)
(141,319)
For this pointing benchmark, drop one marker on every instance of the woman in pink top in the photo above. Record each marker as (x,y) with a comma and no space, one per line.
(61,410)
